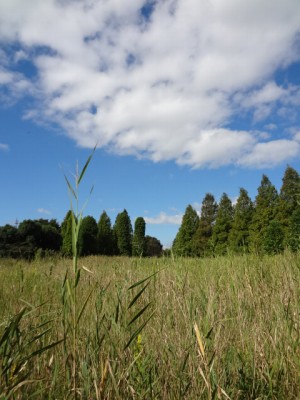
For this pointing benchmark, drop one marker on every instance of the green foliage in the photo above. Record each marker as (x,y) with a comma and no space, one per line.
(87,238)
(288,196)
(201,242)
(182,245)
(123,232)
(10,244)
(105,235)
(138,241)
(222,227)
(293,233)
(66,232)
(153,247)
(266,207)
(242,217)
(273,239)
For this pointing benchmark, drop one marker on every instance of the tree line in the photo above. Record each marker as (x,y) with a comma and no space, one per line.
(32,238)
(267,225)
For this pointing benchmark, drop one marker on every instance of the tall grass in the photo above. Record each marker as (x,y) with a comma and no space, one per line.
(246,311)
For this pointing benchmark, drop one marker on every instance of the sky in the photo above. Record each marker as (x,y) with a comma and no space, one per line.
(181,97)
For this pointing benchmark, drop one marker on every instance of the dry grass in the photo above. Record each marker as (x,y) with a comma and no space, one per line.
(245,346)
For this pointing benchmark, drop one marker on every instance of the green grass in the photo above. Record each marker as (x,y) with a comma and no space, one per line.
(246,309)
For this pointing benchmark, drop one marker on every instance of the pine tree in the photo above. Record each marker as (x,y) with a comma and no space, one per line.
(87,238)
(273,238)
(123,232)
(66,233)
(138,241)
(105,235)
(201,242)
(266,206)
(222,227)
(242,217)
(288,197)
(182,245)
(293,233)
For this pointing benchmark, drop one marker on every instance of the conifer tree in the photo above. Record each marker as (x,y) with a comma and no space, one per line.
(182,245)
(288,197)
(273,239)
(293,233)
(242,217)
(66,233)
(138,241)
(266,206)
(87,238)
(123,233)
(105,235)
(201,242)
(222,227)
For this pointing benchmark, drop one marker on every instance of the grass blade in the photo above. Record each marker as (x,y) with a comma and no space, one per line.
(136,297)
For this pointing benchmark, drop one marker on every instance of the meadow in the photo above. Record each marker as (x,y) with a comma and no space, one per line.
(215,328)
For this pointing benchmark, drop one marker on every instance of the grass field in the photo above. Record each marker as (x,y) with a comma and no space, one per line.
(201,329)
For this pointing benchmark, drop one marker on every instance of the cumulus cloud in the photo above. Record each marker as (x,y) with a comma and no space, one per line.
(165,84)
(164,218)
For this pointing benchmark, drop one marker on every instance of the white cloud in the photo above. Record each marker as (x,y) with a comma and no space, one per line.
(166,88)
(43,211)
(4,147)
(269,154)
(164,218)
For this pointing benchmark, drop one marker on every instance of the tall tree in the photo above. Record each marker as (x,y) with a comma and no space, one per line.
(201,241)
(242,217)
(293,233)
(222,227)
(123,232)
(138,241)
(273,239)
(105,235)
(87,237)
(266,207)
(182,245)
(289,197)
(66,233)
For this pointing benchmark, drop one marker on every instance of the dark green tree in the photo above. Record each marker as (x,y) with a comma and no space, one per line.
(30,232)
(105,235)
(10,245)
(201,241)
(153,247)
(288,197)
(123,233)
(66,233)
(222,227)
(273,238)
(242,217)
(266,207)
(138,241)
(51,238)
(293,233)
(182,245)
(87,237)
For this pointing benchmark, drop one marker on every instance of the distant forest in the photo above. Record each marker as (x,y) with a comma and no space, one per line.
(267,225)
(42,237)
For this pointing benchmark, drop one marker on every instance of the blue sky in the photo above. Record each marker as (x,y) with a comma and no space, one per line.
(183,98)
